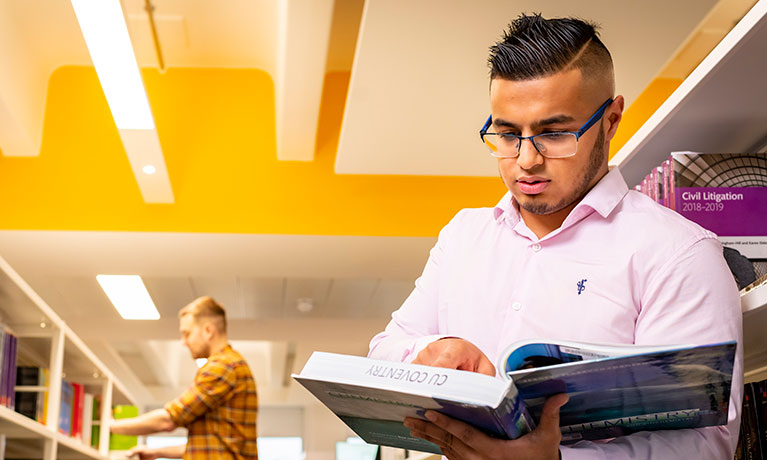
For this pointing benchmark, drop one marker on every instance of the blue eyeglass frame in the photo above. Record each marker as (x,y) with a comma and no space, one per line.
(594,118)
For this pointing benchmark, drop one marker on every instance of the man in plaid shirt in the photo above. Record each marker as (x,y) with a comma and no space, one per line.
(219,409)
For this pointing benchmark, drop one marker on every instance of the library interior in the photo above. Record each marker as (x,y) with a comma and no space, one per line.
(284,157)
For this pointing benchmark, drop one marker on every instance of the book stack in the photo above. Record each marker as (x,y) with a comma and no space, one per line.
(725,193)
(76,412)
(8,344)
(752,444)
(31,392)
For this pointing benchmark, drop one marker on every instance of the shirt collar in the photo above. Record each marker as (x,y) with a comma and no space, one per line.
(602,198)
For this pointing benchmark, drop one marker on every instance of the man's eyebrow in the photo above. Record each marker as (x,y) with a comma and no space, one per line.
(556,119)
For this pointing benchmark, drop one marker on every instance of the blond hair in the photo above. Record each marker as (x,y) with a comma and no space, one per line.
(207,308)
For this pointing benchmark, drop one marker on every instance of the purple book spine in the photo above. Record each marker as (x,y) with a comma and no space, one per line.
(12,381)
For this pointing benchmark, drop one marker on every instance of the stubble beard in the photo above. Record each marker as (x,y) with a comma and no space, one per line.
(596,159)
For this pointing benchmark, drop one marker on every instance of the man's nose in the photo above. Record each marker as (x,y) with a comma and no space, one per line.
(529,157)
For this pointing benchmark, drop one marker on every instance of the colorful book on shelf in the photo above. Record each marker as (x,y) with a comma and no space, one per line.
(78,392)
(29,402)
(65,409)
(42,415)
(614,390)
(725,193)
(3,345)
(7,367)
(87,418)
(119,441)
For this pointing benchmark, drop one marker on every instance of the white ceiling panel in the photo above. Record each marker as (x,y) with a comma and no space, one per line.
(169,294)
(224,289)
(350,298)
(317,290)
(418,96)
(262,297)
(390,294)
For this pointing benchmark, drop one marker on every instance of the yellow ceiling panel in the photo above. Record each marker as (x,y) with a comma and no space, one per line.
(217,131)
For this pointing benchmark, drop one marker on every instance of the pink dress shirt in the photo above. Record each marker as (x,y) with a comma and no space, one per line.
(620,269)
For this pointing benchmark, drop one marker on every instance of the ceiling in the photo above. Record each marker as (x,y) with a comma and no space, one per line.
(417,93)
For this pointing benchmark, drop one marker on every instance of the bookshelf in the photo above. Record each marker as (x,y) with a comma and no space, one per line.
(44,340)
(720,107)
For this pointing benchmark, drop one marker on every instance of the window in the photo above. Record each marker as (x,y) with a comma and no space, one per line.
(355,449)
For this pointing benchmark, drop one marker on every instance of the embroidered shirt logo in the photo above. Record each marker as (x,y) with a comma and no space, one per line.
(581,286)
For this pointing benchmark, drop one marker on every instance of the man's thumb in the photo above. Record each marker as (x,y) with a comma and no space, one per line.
(550,416)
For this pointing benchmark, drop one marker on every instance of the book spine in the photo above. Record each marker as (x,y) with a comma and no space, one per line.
(44,415)
(672,183)
(87,422)
(65,412)
(750,449)
(761,412)
(75,431)
(6,380)
(12,372)
(760,443)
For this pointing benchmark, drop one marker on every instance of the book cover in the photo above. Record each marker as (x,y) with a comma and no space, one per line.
(613,391)
(727,194)
(65,411)
(121,441)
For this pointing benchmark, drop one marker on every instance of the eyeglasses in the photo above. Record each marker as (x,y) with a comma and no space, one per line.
(550,145)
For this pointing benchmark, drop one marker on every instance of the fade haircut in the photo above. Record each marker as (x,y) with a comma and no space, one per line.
(535,47)
(206,308)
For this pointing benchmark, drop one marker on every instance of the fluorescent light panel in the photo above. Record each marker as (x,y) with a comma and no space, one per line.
(129,296)
(106,35)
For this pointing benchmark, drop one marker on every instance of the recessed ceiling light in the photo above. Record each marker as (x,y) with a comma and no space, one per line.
(304,304)
(106,35)
(129,296)
(149,169)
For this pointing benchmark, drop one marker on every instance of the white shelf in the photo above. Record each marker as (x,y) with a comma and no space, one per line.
(754,300)
(46,341)
(720,107)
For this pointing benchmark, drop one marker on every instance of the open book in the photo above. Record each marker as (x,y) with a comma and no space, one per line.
(614,390)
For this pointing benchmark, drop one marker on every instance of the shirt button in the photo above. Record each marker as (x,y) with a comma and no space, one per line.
(536,247)
(516,306)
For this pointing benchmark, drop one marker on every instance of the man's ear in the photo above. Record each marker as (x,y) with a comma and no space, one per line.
(613,116)
(209,329)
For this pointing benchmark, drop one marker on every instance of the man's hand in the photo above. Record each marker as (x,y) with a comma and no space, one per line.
(460,441)
(143,453)
(454,353)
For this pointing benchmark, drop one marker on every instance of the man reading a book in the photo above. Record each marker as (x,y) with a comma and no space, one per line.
(569,253)
(219,410)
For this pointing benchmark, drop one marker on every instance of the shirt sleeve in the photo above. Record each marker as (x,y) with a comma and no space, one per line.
(416,323)
(212,384)
(692,299)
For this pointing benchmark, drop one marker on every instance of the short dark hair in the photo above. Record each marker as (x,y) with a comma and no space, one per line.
(535,47)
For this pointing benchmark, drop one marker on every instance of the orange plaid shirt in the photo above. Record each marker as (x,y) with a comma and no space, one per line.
(219,410)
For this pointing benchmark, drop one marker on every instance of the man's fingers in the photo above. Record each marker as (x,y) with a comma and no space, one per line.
(447,442)
(486,367)
(471,440)
(446,361)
